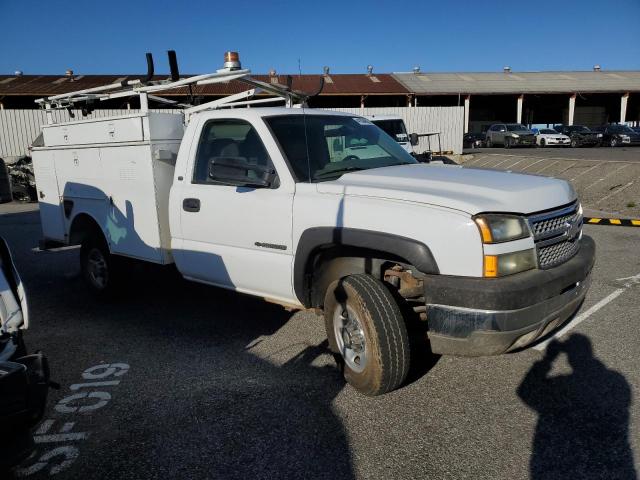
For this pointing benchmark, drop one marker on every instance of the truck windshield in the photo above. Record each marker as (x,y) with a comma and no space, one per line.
(516,127)
(393,128)
(324,147)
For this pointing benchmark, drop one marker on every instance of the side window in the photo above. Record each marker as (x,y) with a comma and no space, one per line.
(233,140)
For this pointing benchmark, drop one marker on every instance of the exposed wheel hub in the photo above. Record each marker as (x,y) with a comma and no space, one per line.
(350,338)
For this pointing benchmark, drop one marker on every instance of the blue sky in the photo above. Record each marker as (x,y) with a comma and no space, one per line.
(112,37)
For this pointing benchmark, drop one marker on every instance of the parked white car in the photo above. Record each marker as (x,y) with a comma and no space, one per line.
(547,137)
(317,209)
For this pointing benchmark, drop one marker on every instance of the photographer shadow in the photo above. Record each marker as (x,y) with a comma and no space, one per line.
(583,424)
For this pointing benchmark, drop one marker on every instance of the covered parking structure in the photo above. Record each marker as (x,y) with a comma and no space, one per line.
(589,97)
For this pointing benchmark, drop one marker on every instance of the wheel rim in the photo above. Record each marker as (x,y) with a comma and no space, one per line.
(97,268)
(542,142)
(350,338)
(613,142)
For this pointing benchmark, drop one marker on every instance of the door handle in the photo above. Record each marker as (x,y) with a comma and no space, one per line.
(191,204)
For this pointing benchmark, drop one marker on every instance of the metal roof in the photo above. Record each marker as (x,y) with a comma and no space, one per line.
(335,84)
(485,83)
(520,82)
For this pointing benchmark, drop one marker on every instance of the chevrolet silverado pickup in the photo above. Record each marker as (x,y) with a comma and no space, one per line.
(275,202)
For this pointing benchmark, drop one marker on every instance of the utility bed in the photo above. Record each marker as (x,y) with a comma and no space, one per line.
(119,170)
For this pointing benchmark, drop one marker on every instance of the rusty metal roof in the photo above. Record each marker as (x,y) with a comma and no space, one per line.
(335,84)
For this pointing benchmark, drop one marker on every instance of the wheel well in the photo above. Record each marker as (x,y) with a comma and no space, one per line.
(82,226)
(332,263)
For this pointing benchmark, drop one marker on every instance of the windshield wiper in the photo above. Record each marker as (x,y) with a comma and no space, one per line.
(339,171)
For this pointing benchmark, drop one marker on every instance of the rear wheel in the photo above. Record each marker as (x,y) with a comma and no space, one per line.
(574,143)
(365,327)
(103,272)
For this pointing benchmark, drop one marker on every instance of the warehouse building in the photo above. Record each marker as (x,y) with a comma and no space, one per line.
(588,98)
(474,100)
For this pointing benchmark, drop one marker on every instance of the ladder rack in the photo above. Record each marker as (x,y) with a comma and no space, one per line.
(146,89)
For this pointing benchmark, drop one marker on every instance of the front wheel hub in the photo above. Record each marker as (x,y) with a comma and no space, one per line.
(350,338)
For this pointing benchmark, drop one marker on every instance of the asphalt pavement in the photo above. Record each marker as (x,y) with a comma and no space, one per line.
(182,381)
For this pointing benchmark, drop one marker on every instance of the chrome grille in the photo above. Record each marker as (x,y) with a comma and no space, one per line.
(557,253)
(556,235)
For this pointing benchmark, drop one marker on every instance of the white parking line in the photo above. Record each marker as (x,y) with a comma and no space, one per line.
(634,280)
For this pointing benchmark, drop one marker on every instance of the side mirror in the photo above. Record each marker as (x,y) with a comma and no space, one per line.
(237,171)
(413,139)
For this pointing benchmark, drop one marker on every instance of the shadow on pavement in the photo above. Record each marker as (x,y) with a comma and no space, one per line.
(583,424)
(201,399)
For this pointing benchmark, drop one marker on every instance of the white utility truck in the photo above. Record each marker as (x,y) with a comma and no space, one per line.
(267,201)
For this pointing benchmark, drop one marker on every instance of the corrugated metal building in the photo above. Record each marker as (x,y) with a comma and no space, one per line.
(591,98)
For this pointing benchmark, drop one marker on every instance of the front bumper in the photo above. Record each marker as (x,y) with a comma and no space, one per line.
(478,316)
(524,141)
(553,142)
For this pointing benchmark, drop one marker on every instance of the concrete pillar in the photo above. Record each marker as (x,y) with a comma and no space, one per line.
(1,106)
(519,114)
(572,108)
(467,100)
(362,97)
(409,103)
(623,107)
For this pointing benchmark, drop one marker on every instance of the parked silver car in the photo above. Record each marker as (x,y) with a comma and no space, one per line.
(510,135)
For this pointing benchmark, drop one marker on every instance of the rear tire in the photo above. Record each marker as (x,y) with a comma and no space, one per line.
(102,272)
(574,143)
(366,328)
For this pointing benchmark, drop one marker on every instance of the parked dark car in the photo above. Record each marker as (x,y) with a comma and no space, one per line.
(510,135)
(636,129)
(580,135)
(473,140)
(619,135)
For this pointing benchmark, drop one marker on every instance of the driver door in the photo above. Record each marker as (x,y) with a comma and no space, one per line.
(237,237)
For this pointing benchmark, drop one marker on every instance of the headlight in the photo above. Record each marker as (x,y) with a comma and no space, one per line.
(509,263)
(501,228)
(599,135)
(624,137)
(515,135)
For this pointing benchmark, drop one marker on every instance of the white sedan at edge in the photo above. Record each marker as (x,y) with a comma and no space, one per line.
(547,137)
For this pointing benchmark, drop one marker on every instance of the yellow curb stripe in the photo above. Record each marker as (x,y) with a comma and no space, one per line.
(622,222)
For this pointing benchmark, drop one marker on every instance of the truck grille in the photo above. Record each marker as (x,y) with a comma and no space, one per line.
(556,234)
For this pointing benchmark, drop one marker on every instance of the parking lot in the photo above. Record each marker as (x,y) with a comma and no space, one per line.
(198,382)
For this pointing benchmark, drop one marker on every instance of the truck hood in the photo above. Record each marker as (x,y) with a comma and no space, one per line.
(470,190)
